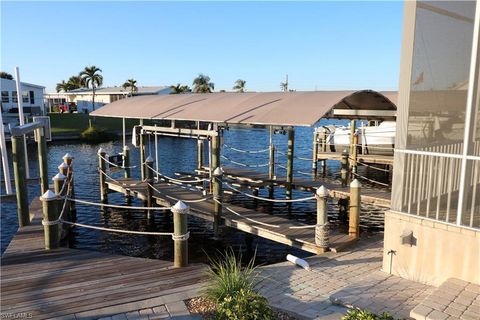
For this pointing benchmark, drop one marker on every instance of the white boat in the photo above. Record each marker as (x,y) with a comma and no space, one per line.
(379,139)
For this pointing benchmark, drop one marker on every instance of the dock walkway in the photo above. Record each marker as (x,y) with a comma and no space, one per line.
(78,284)
(272,227)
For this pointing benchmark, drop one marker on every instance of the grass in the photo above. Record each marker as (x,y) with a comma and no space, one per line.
(75,123)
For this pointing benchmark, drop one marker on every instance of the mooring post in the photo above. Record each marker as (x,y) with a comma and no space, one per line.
(18,155)
(271,170)
(354,212)
(199,154)
(218,198)
(290,149)
(50,206)
(315,152)
(42,159)
(180,234)
(63,168)
(142,156)
(344,170)
(324,149)
(102,167)
(321,229)
(126,161)
(353,128)
(354,153)
(149,168)
(68,160)
(58,182)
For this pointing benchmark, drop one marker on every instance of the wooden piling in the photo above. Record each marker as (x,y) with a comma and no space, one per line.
(353,128)
(271,170)
(354,154)
(321,229)
(199,154)
(63,168)
(218,198)
(216,151)
(324,149)
(354,211)
(19,172)
(315,152)
(58,182)
(290,150)
(42,159)
(126,161)
(68,160)
(102,167)
(180,234)
(149,172)
(50,205)
(142,156)
(344,170)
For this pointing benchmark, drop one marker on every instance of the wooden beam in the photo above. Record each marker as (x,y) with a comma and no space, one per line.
(26,128)
(194,133)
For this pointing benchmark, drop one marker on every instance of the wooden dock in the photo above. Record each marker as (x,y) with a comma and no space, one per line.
(378,197)
(78,284)
(270,226)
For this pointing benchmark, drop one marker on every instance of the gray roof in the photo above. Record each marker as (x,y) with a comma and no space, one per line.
(263,108)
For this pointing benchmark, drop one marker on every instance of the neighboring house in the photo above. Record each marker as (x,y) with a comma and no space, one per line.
(432,231)
(82,98)
(32,97)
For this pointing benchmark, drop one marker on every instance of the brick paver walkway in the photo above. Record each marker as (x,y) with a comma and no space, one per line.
(351,278)
(454,299)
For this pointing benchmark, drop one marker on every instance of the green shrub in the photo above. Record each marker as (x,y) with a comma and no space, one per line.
(232,290)
(356,314)
(96,135)
(244,305)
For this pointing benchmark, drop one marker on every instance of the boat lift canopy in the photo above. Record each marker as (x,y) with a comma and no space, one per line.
(257,108)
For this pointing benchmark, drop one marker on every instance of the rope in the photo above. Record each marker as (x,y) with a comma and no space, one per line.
(64,206)
(297,171)
(296,157)
(246,218)
(370,180)
(176,180)
(116,165)
(246,151)
(267,199)
(116,206)
(176,199)
(119,182)
(244,164)
(367,165)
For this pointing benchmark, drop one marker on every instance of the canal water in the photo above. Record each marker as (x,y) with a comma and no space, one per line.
(179,155)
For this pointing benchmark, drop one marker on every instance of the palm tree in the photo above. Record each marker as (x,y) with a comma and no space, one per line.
(75,82)
(63,86)
(132,84)
(180,89)
(239,85)
(202,84)
(91,77)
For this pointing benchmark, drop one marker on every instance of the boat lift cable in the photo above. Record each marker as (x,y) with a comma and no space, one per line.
(268,199)
(244,164)
(246,151)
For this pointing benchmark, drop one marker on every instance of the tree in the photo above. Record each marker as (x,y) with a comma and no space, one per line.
(6,75)
(63,86)
(177,89)
(75,82)
(239,85)
(132,84)
(91,77)
(202,84)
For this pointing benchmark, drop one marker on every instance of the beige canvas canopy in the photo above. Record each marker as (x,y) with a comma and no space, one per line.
(260,108)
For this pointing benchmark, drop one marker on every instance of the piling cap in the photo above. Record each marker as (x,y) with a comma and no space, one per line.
(67,156)
(180,207)
(218,172)
(149,159)
(63,165)
(355,184)
(101,151)
(59,176)
(322,192)
(48,196)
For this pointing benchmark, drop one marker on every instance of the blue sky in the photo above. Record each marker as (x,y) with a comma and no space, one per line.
(320,45)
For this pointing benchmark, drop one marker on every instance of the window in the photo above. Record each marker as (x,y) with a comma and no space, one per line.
(25,97)
(14,96)
(5,96)
(32,97)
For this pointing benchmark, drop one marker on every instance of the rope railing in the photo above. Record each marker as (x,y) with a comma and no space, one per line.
(268,199)
(176,199)
(371,180)
(244,164)
(246,151)
(296,157)
(370,166)
(246,218)
(107,205)
(120,182)
(165,177)
(297,171)
(118,166)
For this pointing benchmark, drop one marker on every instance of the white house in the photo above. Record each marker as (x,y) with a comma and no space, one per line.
(32,97)
(83,97)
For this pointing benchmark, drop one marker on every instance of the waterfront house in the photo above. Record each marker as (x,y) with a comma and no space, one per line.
(432,231)
(82,98)
(32,97)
